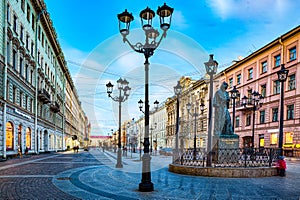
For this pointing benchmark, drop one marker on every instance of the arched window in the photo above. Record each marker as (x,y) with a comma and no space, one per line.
(9,136)
(28,138)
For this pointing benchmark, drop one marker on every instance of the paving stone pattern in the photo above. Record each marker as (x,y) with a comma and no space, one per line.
(92,175)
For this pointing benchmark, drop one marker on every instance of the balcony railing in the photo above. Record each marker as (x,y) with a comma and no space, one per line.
(54,107)
(44,96)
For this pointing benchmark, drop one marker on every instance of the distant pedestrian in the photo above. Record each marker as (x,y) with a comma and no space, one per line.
(26,151)
(19,152)
(281,166)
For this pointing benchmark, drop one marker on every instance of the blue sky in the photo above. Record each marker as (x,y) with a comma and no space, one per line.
(89,36)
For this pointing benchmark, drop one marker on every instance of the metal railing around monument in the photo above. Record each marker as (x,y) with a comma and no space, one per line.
(240,157)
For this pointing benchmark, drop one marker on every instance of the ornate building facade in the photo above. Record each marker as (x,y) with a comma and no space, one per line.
(258,72)
(35,82)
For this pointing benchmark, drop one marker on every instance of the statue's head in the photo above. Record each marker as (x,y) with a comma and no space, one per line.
(224,85)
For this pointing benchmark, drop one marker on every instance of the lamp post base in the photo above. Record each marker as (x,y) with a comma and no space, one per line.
(119,157)
(146,187)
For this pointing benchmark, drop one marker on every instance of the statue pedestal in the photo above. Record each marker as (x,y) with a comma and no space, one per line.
(227,149)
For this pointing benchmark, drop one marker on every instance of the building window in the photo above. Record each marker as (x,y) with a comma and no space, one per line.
(250,73)
(39,32)
(274,114)
(291,82)
(8,52)
(292,53)
(26,72)
(14,59)
(32,20)
(21,66)
(248,120)
(15,23)
(14,97)
(276,88)
(261,140)
(23,5)
(249,95)
(274,138)
(8,13)
(31,76)
(237,121)
(238,79)
(28,13)
(264,66)
(21,99)
(289,137)
(277,60)
(22,33)
(9,136)
(32,49)
(27,42)
(262,116)
(230,82)
(263,89)
(42,39)
(290,111)
(28,138)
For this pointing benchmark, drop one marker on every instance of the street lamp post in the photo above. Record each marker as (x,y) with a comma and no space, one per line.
(211,69)
(234,95)
(151,139)
(146,15)
(257,101)
(195,115)
(124,91)
(282,76)
(177,91)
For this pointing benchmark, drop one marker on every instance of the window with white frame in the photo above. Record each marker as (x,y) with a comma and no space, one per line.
(290,111)
(264,67)
(274,114)
(276,87)
(291,82)
(277,60)
(292,53)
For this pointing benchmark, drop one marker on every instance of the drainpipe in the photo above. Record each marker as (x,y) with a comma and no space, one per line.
(63,108)
(5,76)
(36,134)
(282,50)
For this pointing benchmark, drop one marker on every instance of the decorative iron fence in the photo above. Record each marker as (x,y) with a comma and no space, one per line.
(240,157)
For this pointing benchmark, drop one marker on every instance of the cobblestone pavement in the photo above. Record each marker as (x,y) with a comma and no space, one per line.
(92,175)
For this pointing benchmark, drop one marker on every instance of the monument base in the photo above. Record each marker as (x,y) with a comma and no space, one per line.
(227,149)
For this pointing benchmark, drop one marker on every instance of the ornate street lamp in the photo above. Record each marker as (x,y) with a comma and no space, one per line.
(124,91)
(195,115)
(177,91)
(211,69)
(234,94)
(165,14)
(257,101)
(282,76)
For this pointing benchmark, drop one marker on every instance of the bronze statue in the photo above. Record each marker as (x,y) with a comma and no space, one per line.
(222,123)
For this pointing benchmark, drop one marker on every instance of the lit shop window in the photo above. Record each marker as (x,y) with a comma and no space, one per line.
(274,138)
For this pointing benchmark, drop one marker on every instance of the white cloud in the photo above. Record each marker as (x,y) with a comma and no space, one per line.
(249,9)
(179,20)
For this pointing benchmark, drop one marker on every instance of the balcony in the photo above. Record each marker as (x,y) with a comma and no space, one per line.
(44,96)
(54,107)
